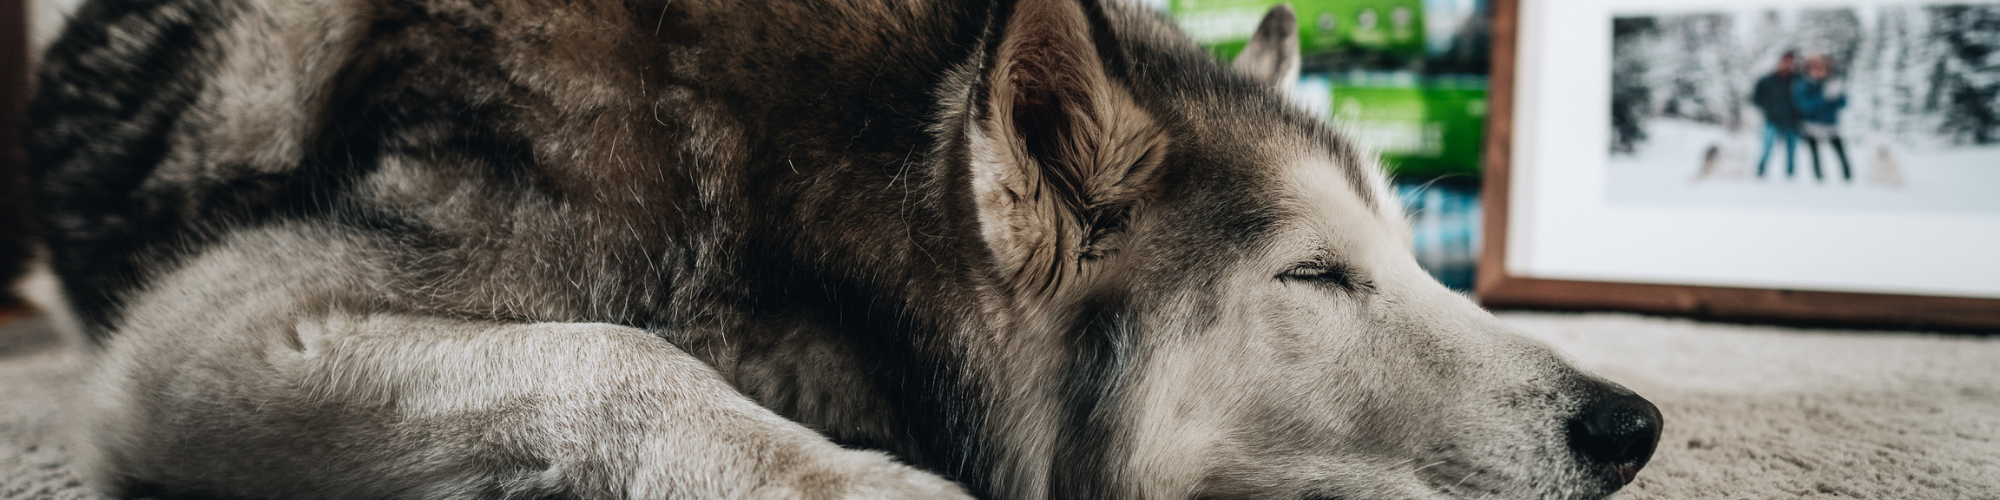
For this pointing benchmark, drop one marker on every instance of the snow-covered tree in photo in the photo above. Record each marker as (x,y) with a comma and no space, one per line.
(1631,98)
(1891,95)
(1966,81)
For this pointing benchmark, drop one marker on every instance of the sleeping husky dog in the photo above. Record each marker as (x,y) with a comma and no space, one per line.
(1024,249)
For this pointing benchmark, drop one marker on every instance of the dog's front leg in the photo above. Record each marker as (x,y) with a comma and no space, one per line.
(394,406)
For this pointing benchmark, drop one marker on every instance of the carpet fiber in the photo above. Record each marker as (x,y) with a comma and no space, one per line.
(1752,412)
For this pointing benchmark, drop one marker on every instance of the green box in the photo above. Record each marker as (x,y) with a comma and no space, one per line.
(1421,126)
(1389,27)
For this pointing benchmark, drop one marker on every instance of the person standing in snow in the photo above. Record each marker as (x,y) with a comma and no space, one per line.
(1773,96)
(1819,99)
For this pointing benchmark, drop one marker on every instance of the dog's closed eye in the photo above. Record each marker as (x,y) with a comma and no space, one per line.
(1339,276)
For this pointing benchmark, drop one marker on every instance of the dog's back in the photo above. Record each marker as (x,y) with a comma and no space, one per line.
(161,125)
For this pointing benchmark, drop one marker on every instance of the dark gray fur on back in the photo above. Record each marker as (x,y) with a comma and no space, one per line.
(671,124)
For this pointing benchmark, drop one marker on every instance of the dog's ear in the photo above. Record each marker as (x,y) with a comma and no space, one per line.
(1060,153)
(1272,56)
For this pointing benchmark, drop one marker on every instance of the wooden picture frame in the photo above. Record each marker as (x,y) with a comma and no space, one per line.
(1497,288)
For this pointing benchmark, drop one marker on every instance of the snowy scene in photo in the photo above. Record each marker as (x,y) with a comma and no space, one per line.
(1884,108)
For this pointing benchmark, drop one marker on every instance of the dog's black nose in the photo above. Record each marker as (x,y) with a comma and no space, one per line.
(1618,430)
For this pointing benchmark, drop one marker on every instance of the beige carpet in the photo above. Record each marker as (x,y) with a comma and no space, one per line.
(1766,412)
(37,374)
(1752,412)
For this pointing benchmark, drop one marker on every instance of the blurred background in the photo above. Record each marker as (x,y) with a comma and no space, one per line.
(1405,78)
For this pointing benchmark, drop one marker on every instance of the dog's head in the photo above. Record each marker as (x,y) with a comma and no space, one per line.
(1200,291)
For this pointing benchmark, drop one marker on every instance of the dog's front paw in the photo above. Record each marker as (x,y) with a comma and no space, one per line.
(861,475)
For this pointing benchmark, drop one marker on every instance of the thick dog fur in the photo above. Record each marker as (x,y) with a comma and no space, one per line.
(719,249)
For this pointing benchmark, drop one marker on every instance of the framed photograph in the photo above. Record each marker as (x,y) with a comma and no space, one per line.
(1809,161)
